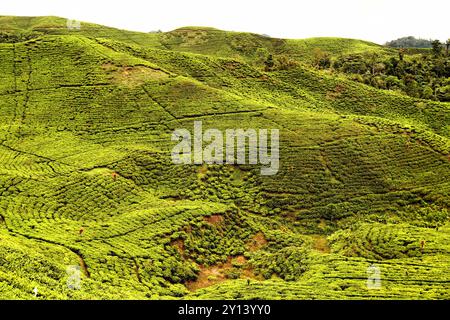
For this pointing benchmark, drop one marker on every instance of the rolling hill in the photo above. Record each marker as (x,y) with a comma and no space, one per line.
(86,177)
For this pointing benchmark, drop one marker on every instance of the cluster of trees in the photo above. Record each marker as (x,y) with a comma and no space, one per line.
(425,75)
(6,37)
(409,42)
(288,263)
(270,62)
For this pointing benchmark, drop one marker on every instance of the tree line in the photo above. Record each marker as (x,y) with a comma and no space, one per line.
(425,74)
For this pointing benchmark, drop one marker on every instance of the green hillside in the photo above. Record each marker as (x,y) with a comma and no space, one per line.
(86,177)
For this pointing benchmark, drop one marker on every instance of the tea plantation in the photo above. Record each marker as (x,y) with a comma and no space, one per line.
(86,176)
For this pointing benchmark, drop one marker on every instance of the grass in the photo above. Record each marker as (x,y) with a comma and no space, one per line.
(86,176)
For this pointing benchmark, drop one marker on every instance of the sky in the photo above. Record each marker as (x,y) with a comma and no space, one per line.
(372,20)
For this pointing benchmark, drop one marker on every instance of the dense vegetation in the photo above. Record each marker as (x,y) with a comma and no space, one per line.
(421,75)
(86,176)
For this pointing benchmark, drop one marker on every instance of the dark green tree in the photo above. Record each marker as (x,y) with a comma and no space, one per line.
(269,63)
(436,47)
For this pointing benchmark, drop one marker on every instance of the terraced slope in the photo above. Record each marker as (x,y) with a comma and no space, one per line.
(86,176)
